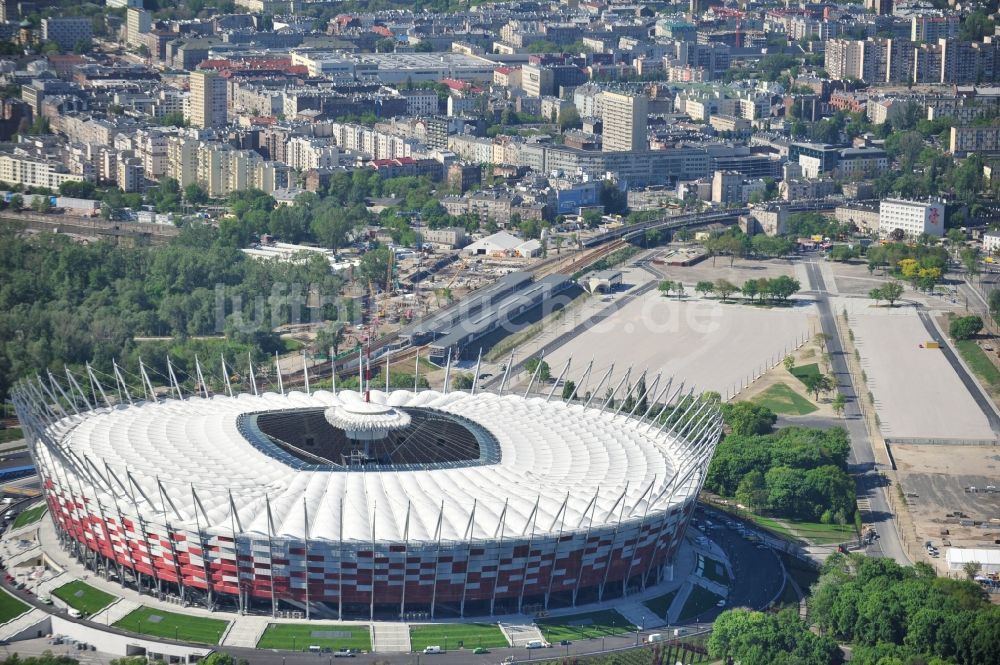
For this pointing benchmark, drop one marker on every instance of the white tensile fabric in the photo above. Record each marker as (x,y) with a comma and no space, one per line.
(551,454)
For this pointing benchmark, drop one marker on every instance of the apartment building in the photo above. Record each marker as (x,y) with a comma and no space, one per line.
(207,104)
(16,169)
(965,140)
(625,117)
(67,31)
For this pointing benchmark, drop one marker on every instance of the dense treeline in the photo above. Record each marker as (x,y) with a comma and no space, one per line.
(793,472)
(895,614)
(756,638)
(66,302)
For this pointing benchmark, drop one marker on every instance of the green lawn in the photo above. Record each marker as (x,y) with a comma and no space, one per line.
(298,637)
(779,398)
(184,627)
(800,372)
(661,604)
(584,626)
(83,597)
(11,434)
(289,344)
(701,600)
(811,532)
(10,607)
(30,516)
(979,362)
(456,635)
(715,571)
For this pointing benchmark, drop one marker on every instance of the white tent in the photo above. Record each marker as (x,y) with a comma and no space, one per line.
(989,559)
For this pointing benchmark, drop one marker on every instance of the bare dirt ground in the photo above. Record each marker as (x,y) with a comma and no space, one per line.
(917,392)
(934,480)
(741,271)
(809,353)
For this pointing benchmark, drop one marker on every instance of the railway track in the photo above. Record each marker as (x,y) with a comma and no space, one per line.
(581,260)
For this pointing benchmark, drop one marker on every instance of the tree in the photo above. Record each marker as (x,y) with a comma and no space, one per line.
(971,569)
(891,291)
(746,418)
(783,287)
(789,363)
(569,387)
(839,403)
(374,267)
(965,327)
(817,383)
(544,373)
(704,288)
(462,381)
(755,638)
(679,289)
(41,204)
(971,257)
(821,339)
(665,286)
(725,288)
(569,119)
(195,194)
(752,491)
(750,289)
(329,337)
(876,295)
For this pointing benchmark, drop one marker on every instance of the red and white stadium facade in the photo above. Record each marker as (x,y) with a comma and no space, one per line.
(569,502)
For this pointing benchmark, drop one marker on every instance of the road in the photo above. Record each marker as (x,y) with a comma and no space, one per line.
(862,459)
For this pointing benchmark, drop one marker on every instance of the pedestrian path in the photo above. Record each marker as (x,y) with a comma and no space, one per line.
(18,625)
(52,583)
(518,635)
(391,637)
(115,612)
(680,600)
(245,631)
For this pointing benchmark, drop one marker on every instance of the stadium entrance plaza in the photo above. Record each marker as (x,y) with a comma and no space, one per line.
(245,631)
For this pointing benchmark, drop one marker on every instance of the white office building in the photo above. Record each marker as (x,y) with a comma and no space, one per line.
(913,218)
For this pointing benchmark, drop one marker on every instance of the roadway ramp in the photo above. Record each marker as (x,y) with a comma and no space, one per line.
(390,637)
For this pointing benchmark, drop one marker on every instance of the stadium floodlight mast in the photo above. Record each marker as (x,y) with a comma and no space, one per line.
(136,502)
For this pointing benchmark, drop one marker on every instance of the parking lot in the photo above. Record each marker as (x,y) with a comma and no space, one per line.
(936,481)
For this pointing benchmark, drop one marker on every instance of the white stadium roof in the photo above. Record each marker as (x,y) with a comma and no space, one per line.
(548,451)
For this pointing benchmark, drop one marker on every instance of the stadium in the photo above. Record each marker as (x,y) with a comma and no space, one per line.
(350,504)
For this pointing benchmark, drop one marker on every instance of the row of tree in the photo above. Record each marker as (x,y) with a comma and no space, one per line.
(776,290)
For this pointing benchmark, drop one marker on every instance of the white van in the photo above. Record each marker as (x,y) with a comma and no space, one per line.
(680,631)
(655,637)
(74,613)
(434,649)
(535,644)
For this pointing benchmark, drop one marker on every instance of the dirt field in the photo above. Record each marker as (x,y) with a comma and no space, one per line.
(939,476)
(741,271)
(710,346)
(917,393)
